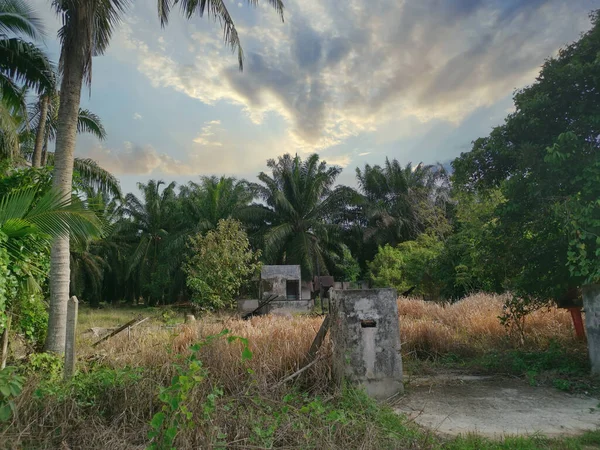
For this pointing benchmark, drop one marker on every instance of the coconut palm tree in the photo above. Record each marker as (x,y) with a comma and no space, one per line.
(298,212)
(43,118)
(87,28)
(28,224)
(22,63)
(213,199)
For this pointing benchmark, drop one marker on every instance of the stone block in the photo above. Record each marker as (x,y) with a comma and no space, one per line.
(365,333)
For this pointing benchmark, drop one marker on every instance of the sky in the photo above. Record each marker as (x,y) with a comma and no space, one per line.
(354,81)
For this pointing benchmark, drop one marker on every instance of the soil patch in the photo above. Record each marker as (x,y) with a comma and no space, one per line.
(453,404)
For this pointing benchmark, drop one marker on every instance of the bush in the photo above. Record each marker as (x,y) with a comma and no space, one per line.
(411,263)
(221,262)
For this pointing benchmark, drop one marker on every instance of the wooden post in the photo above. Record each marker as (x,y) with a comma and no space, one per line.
(5,342)
(70,356)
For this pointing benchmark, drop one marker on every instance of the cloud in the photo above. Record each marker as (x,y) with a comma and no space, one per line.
(207,135)
(137,116)
(137,160)
(335,71)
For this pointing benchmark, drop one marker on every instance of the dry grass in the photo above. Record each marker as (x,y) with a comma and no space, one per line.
(471,327)
(118,415)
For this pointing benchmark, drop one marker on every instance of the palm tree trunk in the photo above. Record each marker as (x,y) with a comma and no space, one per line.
(66,133)
(45,151)
(41,132)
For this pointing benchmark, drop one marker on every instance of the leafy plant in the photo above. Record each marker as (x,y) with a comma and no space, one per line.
(175,413)
(221,262)
(11,385)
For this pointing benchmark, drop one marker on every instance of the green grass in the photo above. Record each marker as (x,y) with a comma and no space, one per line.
(114,317)
(586,441)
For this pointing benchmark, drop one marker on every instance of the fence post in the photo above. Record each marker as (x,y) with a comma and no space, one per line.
(70,356)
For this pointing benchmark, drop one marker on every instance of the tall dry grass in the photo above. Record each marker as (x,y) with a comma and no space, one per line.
(119,415)
(471,327)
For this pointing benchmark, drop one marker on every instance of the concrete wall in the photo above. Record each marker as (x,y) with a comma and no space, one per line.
(591,306)
(273,280)
(365,333)
(247,305)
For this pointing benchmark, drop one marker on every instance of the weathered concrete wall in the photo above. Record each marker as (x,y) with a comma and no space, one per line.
(365,333)
(247,305)
(290,306)
(273,280)
(591,306)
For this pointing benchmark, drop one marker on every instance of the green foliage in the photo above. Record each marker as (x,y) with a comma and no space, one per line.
(48,365)
(30,318)
(296,219)
(220,263)
(11,385)
(175,413)
(86,388)
(347,267)
(545,160)
(411,263)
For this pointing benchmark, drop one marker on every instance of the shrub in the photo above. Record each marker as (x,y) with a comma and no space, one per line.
(221,262)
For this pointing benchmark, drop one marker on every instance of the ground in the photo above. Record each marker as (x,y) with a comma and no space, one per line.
(455,403)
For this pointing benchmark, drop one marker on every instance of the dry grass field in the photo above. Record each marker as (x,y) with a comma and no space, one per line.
(241,404)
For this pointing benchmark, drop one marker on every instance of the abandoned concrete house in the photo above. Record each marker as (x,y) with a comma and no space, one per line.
(282,288)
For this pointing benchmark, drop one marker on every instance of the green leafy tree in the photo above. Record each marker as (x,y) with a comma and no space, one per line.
(411,264)
(545,159)
(221,262)
(469,261)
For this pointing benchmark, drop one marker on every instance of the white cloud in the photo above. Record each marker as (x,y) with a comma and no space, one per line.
(207,135)
(335,71)
(137,116)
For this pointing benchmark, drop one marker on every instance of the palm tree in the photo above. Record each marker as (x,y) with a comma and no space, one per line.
(95,260)
(86,31)
(155,233)
(213,199)
(400,202)
(43,118)
(28,224)
(21,64)
(298,212)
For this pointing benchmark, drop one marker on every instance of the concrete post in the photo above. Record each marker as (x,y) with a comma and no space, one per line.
(365,333)
(591,306)
(70,356)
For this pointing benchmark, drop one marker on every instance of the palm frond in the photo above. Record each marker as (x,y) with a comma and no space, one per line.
(26,64)
(18,18)
(88,122)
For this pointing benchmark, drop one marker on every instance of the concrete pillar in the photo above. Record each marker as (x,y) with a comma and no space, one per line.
(365,333)
(70,357)
(591,306)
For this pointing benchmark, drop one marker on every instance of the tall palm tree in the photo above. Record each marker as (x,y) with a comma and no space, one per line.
(22,63)
(28,224)
(86,31)
(156,235)
(298,210)
(213,199)
(43,118)
(399,201)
